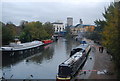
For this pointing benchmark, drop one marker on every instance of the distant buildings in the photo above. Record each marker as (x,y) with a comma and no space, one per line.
(58,27)
(69,21)
(81,28)
(75,30)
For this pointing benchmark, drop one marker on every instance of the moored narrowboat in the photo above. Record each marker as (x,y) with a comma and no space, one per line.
(69,67)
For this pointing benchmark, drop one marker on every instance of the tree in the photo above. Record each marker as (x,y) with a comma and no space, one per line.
(111,32)
(49,28)
(22,23)
(99,25)
(8,33)
(33,31)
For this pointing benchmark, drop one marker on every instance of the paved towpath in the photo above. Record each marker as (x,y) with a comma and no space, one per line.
(103,64)
(98,65)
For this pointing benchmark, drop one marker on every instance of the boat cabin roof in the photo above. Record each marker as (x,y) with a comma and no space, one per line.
(72,59)
(82,46)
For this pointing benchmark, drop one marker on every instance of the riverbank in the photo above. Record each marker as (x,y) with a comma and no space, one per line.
(98,65)
(104,66)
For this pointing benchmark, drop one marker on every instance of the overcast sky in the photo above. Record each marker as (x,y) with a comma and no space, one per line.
(53,10)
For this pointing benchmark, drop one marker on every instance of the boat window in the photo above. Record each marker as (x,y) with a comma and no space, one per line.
(64,70)
(78,49)
(72,52)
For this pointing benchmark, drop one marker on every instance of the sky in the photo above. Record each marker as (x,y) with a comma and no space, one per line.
(53,10)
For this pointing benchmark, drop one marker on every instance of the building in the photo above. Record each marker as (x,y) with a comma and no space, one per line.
(80,28)
(58,27)
(69,21)
(89,28)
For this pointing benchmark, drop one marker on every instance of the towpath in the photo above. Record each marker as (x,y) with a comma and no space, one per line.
(103,64)
(98,65)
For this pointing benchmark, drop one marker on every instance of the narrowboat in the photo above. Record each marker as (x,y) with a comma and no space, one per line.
(21,46)
(69,67)
(47,41)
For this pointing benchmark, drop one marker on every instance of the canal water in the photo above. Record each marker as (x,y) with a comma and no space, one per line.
(42,65)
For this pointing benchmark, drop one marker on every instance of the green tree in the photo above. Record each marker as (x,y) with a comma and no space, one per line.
(111,32)
(22,23)
(49,28)
(99,25)
(33,31)
(8,33)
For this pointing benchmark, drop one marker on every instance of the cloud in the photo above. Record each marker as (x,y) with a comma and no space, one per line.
(52,11)
(73,1)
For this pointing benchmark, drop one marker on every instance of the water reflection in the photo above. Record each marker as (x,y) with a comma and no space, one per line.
(70,44)
(45,54)
(12,58)
(41,65)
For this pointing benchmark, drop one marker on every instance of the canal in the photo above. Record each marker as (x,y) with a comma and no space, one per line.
(42,65)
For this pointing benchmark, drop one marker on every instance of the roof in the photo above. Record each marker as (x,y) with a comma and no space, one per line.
(83,46)
(72,26)
(57,23)
(77,25)
(83,25)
